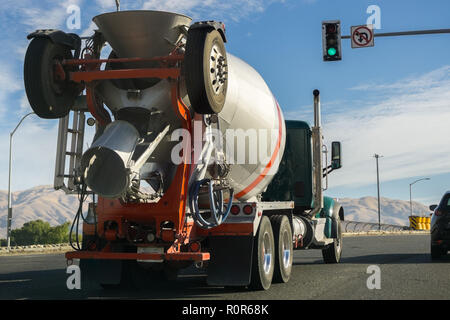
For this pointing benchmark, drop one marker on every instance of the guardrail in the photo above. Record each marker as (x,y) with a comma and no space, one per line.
(347,227)
(356,226)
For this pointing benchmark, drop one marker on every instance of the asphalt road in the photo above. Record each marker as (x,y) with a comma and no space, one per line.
(406,273)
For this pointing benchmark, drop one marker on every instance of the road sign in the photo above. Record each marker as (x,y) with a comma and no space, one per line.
(362,36)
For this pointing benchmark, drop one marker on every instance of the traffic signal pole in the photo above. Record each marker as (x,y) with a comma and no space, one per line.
(405,33)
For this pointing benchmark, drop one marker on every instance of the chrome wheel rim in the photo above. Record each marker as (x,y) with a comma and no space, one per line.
(217,68)
(267,253)
(286,249)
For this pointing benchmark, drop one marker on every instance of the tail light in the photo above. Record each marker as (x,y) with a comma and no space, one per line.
(235,210)
(438,212)
(248,209)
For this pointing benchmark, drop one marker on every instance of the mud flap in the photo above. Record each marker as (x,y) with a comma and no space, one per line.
(231,260)
(101,271)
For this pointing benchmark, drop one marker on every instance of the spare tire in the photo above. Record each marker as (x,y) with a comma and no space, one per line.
(205,69)
(48,97)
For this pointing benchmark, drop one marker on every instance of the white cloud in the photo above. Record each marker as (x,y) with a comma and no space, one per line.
(10,84)
(34,145)
(34,152)
(409,126)
(107,4)
(211,9)
(53,17)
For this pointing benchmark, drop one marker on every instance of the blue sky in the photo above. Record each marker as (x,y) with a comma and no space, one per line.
(392,99)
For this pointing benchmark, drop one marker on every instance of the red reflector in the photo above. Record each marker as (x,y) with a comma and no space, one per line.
(235,209)
(248,209)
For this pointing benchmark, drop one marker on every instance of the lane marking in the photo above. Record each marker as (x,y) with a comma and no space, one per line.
(14,281)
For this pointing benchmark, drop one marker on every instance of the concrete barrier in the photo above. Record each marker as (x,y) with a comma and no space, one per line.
(64,247)
(387,233)
(36,249)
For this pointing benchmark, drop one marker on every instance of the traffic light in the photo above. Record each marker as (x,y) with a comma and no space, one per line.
(331,40)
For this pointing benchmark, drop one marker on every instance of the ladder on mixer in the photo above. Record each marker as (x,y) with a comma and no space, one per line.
(64,179)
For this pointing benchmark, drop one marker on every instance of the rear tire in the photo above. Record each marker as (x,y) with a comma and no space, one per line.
(437,252)
(205,67)
(332,253)
(263,262)
(49,98)
(282,233)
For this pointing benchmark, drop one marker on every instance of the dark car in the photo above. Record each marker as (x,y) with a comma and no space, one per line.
(440,227)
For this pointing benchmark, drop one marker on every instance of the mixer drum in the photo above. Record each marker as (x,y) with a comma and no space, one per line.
(251,116)
(246,107)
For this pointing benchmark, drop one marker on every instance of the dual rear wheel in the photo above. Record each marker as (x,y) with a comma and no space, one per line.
(272,252)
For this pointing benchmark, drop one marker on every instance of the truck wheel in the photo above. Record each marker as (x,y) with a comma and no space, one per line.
(50,97)
(205,68)
(263,256)
(436,252)
(332,253)
(282,234)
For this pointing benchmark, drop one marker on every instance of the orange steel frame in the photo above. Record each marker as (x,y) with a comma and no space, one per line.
(172,206)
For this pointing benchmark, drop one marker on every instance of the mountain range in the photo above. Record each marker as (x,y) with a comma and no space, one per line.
(55,207)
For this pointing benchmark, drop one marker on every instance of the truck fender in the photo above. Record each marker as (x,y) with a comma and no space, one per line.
(71,40)
(338,215)
(214,25)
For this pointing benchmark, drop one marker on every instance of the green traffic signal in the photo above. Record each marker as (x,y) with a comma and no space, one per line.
(331,40)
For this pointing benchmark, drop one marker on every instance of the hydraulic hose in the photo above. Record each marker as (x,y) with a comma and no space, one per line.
(218,215)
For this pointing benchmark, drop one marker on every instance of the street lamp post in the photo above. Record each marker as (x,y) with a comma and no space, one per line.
(410,193)
(377,156)
(8,229)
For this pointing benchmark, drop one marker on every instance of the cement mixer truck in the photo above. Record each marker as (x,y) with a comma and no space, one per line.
(192,162)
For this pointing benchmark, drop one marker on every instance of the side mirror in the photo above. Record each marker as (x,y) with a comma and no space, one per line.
(433,207)
(336,161)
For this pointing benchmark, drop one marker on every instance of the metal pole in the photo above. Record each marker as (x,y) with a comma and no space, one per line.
(410,200)
(9,219)
(405,33)
(410,193)
(8,222)
(378,191)
(317,154)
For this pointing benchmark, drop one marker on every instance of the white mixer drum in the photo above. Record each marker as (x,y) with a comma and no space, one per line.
(251,109)
(251,121)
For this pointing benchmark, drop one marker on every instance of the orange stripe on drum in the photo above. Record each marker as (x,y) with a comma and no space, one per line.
(271,162)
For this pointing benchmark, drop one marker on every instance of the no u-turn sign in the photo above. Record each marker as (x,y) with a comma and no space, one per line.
(362,36)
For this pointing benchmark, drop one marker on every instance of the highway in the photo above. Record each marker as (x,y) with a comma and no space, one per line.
(406,273)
